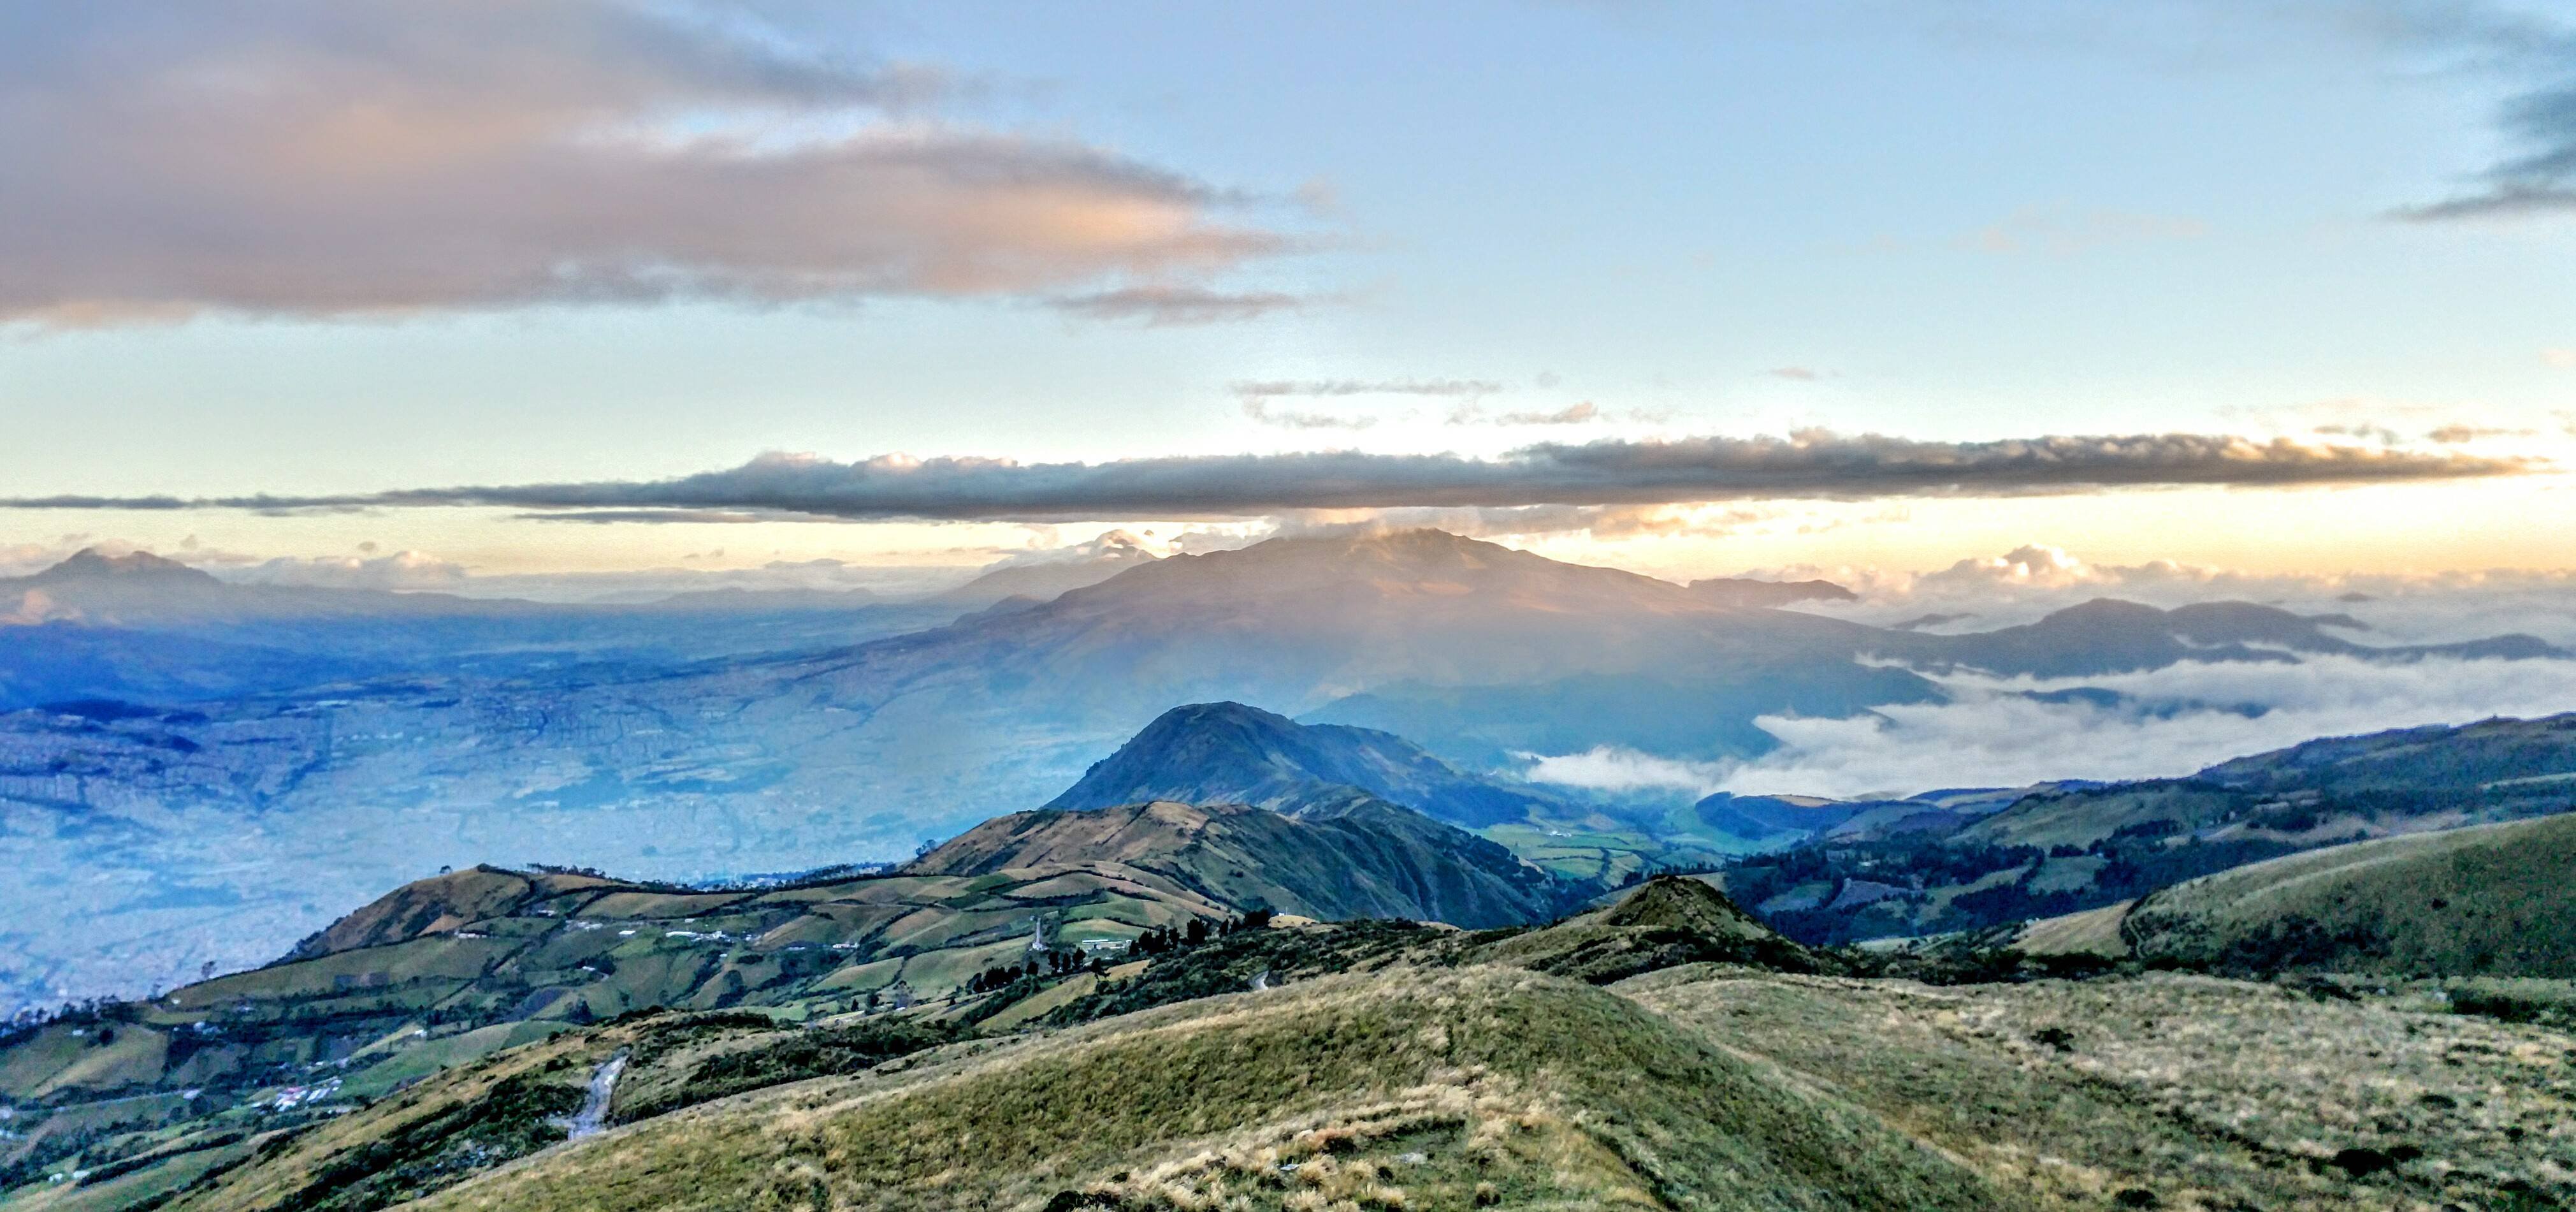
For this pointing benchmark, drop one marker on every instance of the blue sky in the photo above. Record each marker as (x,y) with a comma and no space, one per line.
(1945,222)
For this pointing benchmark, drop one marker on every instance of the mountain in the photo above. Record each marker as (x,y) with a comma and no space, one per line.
(151,631)
(2398,781)
(2111,636)
(2063,849)
(2487,900)
(1360,857)
(330,755)
(140,589)
(1044,578)
(1769,816)
(1234,754)
(2496,756)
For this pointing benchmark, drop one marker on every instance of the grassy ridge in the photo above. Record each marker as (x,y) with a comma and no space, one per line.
(2492,900)
(1406,1088)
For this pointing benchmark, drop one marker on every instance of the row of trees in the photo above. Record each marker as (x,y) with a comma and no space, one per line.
(1057,961)
(1166,941)
(1065,961)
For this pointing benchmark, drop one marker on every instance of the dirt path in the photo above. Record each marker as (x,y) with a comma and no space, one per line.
(593,1116)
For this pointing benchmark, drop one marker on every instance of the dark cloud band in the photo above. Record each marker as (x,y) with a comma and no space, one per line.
(1811,464)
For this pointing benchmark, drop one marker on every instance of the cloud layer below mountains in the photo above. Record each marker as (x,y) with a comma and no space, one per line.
(2165,723)
(1982,594)
(1813,464)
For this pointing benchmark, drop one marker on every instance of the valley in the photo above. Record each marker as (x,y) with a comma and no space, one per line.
(214,812)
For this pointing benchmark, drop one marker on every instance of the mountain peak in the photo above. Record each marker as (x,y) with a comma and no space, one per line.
(1228,752)
(91,564)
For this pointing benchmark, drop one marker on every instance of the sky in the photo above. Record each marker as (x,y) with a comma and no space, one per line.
(575,286)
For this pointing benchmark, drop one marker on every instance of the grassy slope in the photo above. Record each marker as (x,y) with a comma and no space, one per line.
(419,1140)
(1356,859)
(1547,1091)
(458,956)
(2492,900)
(2197,1092)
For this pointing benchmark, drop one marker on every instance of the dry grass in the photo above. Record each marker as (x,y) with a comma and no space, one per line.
(2204,1093)
(1397,1090)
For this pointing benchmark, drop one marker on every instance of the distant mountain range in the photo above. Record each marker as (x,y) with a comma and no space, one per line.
(344,741)
(2109,636)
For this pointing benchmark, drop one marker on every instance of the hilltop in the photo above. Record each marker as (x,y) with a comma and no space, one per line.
(1234,754)
(1666,921)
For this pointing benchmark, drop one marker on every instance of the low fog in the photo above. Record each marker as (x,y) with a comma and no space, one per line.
(2163,723)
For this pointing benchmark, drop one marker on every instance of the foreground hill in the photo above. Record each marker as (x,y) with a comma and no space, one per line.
(2488,900)
(1485,1086)
(1390,1065)
(1354,856)
(1229,753)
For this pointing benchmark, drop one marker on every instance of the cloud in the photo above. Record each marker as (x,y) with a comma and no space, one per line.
(1799,374)
(1114,546)
(606,517)
(2539,119)
(1178,306)
(2030,581)
(2563,359)
(1275,388)
(1613,768)
(1807,464)
(2060,232)
(1577,414)
(2376,433)
(1258,408)
(2454,434)
(2168,722)
(1606,522)
(402,570)
(1258,397)
(313,158)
